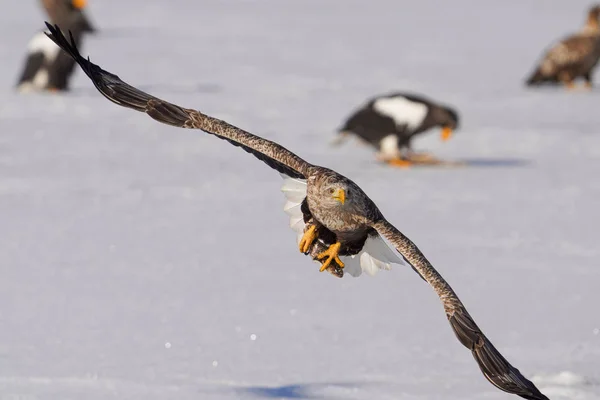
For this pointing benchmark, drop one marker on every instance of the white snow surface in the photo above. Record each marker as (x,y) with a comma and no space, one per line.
(139,261)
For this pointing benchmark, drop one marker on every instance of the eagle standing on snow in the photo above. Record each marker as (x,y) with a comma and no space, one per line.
(337,222)
(389,123)
(46,67)
(573,57)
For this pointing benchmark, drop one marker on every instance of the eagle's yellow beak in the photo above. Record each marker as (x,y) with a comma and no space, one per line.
(79,4)
(339,195)
(446,133)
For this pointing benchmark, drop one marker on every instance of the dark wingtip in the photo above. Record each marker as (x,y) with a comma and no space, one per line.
(73,45)
(61,41)
(496,369)
(509,378)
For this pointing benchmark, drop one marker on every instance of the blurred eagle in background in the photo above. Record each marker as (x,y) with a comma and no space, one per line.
(572,58)
(46,68)
(389,123)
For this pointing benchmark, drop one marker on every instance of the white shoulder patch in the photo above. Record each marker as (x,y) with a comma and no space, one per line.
(295,192)
(402,111)
(42,43)
(376,254)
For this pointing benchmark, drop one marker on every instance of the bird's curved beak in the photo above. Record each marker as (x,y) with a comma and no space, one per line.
(79,4)
(340,196)
(446,133)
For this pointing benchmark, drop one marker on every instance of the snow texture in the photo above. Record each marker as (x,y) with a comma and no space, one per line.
(140,261)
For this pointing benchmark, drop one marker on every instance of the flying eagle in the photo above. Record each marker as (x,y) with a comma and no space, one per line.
(389,122)
(327,210)
(573,57)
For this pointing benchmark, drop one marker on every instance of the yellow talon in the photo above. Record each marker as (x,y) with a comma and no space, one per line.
(307,240)
(332,255)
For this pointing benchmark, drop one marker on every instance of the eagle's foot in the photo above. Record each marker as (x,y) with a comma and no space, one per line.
(420,157)
(307,239)
(329,255)
(399,162)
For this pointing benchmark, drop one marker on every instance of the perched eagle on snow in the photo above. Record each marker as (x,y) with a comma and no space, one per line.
(389,123)
(337,223)
(46,67)
(573,57)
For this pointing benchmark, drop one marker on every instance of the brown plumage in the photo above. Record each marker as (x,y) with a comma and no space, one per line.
(61,12)
(335,209)
(572,58)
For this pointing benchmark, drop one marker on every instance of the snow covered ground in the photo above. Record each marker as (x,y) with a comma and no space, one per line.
(138,261)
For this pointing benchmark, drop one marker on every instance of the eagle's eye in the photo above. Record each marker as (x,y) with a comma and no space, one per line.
(331,190)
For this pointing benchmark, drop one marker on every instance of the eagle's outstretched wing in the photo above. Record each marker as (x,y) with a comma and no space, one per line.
(494,366)
(119,92)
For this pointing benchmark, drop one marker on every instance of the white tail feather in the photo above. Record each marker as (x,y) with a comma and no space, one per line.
(376,245)
(295,192)
(375,255)
(292,208)
(297,224)
(352,265)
